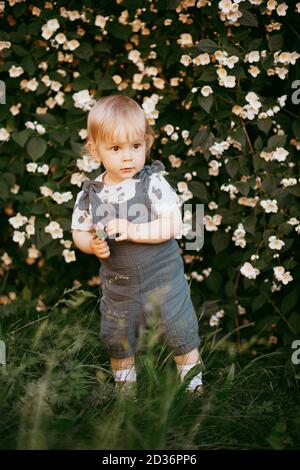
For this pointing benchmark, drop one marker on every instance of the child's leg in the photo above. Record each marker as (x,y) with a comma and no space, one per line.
(185,363)
(123,370)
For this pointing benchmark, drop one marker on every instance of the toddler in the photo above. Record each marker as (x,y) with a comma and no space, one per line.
(137,216)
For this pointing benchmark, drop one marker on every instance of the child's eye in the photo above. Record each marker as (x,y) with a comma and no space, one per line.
(115,147)
(137,145)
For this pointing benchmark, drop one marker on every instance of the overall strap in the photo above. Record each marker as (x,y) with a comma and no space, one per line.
(145,173)
(89,196)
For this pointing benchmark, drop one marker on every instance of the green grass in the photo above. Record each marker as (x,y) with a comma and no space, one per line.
(57,392)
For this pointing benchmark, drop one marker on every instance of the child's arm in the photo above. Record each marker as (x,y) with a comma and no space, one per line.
(90,244)
(167,226)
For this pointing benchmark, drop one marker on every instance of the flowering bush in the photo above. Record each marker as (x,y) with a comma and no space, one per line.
(217,79)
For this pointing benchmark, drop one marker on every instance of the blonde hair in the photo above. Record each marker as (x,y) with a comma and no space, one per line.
(111,115)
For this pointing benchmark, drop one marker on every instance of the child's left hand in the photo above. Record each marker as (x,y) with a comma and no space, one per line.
(121,226)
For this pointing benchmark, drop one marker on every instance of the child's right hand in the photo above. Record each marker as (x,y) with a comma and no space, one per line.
(100,247)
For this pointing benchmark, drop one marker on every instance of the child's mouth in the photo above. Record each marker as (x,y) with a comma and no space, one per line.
(127,169)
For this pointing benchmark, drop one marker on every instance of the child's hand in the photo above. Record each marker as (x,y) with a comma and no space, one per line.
(121,226)
(100,247)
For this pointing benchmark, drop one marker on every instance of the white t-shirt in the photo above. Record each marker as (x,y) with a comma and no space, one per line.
(162,196)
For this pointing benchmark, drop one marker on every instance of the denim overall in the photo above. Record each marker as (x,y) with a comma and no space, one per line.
(139,279)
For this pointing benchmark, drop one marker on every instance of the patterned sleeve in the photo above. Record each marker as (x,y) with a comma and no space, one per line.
(163,197)
(81,220)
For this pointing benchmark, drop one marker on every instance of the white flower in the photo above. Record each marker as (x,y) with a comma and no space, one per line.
(201,59)
(4,135)
(43,169)
(249,271)
(253,99)
(19,237)
(62,197)
(281,9)
(87,164)
(82,133)
(71,45)
(282,275)
(54,229)
(185,39)
(252,56)
(218,147)
(206,90)
(7,260)
(101,21)
(78,178)
(30,229)
(293,221)
(185,60)
(18,220)
(134,56)
(45,191)
(254,71)
(49,28)
(269,205)
(226,6)
(214,167)
(15,71)
(83,100)
(33,252)
(169,129)
(214,321)
(69,255)
(15,189)
(288,182)
(279,154)
(31,167)
(182,186)
(231,189)
(211,223)
(238,236)
(275,243)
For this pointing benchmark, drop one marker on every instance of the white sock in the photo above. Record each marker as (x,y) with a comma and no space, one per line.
(124,375)
(195,381)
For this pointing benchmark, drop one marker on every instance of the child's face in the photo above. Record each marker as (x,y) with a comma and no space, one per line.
(117,156)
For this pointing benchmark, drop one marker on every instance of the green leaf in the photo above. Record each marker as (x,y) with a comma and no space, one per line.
(21,137)
(206,102)
(232,167)
(243,187)
(203,138)
(289,301)
(275,41)
(264,125)
(220,241)
(248,19)
(199,190)
(106,84)
(258,302)
(10,178)
(294,321)
(36,147)
(207,45)
(4,189)
(249,223)
(209,74)
(84,51)
(276,141)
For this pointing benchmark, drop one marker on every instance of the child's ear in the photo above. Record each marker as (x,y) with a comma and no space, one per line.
(91,149)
